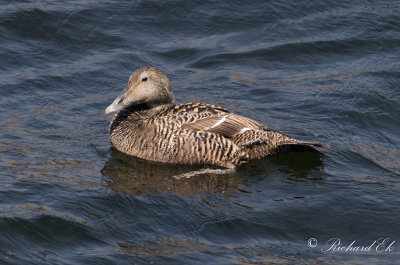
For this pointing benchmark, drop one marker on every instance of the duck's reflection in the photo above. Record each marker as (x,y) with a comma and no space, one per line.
(131,175)
(299,166)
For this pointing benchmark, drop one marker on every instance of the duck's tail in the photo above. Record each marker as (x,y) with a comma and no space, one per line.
(301,146)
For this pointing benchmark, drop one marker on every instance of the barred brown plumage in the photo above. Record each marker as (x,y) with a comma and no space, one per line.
(148,124)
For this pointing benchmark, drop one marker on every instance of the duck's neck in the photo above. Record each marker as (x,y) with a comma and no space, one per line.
(136,112)
(144,110)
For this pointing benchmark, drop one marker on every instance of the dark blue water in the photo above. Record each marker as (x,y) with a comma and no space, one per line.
(326,71)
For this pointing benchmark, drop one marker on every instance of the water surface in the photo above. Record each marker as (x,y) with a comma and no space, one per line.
(325,71)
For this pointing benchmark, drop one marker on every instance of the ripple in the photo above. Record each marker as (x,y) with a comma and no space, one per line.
(31,211)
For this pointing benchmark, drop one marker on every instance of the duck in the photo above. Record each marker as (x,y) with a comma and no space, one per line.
(148,124)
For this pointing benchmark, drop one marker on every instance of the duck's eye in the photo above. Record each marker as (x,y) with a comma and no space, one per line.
(144,79)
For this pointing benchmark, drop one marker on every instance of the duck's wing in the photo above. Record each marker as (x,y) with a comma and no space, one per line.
(208,118)
(248,134)
(226,124)
(193,108)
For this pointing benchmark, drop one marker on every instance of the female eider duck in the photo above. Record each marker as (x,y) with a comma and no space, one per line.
(147,124)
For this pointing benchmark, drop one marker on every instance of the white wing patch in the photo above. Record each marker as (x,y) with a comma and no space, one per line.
(219,122)
(245,129)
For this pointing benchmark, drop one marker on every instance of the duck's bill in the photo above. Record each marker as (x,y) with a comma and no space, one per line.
(117,104)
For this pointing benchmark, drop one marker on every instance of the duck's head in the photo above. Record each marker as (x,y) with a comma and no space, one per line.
(145,86)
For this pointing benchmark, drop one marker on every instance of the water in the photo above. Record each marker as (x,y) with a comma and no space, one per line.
(325,71)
